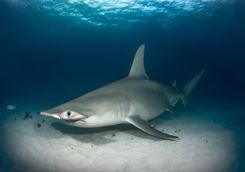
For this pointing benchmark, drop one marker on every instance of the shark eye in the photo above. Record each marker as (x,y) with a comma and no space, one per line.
(68,113)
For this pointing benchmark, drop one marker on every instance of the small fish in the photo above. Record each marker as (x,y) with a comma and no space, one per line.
(11,107)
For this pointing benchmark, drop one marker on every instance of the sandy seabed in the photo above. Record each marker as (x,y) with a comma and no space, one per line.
(35,143)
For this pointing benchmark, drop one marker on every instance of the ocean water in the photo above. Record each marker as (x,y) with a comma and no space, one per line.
(54,50)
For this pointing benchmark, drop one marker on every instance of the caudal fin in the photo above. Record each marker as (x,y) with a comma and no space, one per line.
(190,86)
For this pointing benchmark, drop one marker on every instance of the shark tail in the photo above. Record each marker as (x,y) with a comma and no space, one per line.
(190,86)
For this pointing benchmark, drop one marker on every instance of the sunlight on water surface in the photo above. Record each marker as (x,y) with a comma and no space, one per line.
(113,13)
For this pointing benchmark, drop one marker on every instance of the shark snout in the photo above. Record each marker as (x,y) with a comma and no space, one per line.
(57,116)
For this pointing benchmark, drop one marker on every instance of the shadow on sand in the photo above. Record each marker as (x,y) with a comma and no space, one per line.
(101,135)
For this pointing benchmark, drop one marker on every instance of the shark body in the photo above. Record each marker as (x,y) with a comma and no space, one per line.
(134,99)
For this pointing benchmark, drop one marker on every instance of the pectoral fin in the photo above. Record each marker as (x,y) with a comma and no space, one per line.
(145,126)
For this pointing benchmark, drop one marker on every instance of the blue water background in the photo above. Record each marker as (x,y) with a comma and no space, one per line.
(40,53)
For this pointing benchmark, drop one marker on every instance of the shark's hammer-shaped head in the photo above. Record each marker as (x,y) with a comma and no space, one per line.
(67,116)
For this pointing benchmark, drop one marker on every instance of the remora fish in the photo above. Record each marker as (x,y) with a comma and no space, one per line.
(134,99)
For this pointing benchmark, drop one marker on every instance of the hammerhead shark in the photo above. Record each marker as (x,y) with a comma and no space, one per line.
(135,99)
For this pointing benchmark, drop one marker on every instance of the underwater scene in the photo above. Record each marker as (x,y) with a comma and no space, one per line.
(122,85)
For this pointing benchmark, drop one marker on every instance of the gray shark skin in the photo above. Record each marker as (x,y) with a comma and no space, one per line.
(134,99)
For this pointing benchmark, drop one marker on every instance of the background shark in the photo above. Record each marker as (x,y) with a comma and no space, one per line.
(135,99)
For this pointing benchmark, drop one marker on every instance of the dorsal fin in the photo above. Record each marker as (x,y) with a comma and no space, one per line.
(138,68)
